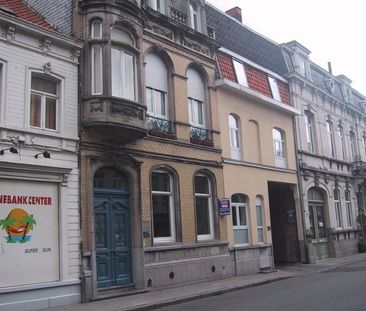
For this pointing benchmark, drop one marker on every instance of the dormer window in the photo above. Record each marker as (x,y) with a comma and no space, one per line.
(301,66)
(96,30)
(194,16)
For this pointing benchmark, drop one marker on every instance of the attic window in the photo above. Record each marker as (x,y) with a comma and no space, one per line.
(241,77)
(274,88)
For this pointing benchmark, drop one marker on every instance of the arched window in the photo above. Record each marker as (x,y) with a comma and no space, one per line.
(331,138)
(234,133)
(123,65)
(162,192)
(342,141)
(239,211)
(310,130)
(260,219)
(156,86)
(96,58)
(204,207)
(196,99)
(279,147)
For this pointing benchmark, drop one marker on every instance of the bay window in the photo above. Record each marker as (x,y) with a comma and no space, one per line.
(96,58)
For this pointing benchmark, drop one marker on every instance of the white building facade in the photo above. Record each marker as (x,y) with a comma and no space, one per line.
(39,176)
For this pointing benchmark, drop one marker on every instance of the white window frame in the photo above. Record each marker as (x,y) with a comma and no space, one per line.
(234,136)
(152,106)
(97,89)
(195,16)
(211,235)
(44,95)
(238,206)
(348,203)
(338,209)
(158,5)
(329,125)
(2,90)
(364,145)
(170,194)
(240,73)
(353,143)
(342,141)
(310,130)
(260,227)
(301,65)
(274,88)
(279,153)
(193,108)
(121,91)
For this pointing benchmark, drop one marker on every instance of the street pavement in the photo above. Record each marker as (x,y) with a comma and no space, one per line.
(167,297)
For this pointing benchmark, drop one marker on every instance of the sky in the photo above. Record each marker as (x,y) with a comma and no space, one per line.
(333,30)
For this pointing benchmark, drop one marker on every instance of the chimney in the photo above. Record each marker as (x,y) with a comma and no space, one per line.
(330,68)
(235,12)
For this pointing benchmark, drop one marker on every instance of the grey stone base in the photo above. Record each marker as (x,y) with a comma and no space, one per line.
(34,297)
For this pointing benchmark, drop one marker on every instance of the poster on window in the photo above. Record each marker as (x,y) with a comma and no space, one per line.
(28,232)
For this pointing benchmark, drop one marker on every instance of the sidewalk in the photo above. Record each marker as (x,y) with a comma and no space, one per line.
(159,298)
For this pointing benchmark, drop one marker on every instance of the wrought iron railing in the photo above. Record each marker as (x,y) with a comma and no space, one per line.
(200,136)
(160,127)
(359,168)
(178,16)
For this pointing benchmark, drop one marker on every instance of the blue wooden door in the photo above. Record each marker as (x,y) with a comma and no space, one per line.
(112,239)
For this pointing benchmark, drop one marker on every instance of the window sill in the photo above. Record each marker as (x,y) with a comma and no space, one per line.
(180,245)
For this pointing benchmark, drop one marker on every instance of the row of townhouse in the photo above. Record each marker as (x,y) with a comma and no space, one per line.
(145,144)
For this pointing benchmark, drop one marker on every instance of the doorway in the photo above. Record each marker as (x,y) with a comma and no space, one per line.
(112,228)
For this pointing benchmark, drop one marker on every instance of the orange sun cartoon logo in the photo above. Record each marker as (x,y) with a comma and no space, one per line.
(17,225)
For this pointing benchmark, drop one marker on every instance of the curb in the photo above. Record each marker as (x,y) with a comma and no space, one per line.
(193,297)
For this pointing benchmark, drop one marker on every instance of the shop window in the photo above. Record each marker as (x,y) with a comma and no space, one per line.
(204,207)
(338,211)
(196,99)
(331,138)
(279,146)
(260,221)
(239,212)
(158,5)
(342,143)
(310,130)
(96,58)
(44,102)
(274,88)
(347,199)
(123,64)
(234,133)
(162,192)
(241,77)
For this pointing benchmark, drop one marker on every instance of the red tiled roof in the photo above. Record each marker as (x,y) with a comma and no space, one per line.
(283,88)
(24,12)
(257,80)
(226,67)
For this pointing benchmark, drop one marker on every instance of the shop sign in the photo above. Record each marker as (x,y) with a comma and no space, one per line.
(28,232)
(224,206)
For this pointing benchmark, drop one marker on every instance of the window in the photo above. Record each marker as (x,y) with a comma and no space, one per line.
(157,5)
(194,16)
(347,198)
(310,130)
(96,59)
(204,208)
(44,102)
(259,212)
(364,144)
(196,97)
(342,141)
(301,66)
(274,88)
(279,147)
(338,211)
(123,63)
(331,138)
(234,133)
(240,73)
(239,213)
(352,138)
(163,207)
(156,86)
